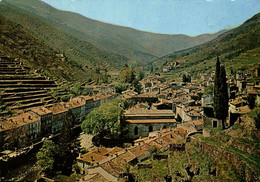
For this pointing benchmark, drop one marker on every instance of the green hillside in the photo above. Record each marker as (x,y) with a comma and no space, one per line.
(138,45)
(237,48)
(82,52)
(17,43)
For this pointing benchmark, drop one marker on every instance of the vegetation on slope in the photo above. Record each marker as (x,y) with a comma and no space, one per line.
(237,48)
(84,54)
(17,43)
(138,45)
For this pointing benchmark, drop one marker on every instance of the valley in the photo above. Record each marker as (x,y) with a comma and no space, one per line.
(83,100)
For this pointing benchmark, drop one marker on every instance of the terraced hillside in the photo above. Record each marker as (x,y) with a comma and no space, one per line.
(20,89)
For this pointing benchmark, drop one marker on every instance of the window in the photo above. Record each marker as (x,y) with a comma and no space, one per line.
(164,127)
(215,124)
(136,130)
(150,128)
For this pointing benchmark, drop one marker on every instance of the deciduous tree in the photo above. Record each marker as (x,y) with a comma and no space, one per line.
(45,156)
(105,120)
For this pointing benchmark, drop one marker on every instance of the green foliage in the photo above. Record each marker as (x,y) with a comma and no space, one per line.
(65,98)
(255,114)
(105,120)
(51,39)
(45,156)
(140,75)
(67,146)
(153,150)
(237,47)
(127,75)
(251,101)
(186,78)
(209,90)
(76,88)
(120,88)
(104,78)
(220,98)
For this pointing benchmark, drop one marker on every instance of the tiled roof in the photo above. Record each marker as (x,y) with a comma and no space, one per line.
(91,157)
(41,110)
(151,121)
(74,104)
(95,177)
(115,166)
(139,150)
(244,109)
(57,109)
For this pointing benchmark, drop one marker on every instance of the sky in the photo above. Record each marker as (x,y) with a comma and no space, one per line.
(190,17)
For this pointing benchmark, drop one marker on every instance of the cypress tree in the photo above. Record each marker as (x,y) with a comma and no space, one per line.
(224,93)
(216,99)
(220,99)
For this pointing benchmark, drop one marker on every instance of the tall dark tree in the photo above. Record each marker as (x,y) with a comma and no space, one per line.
(68,145)
(224,92)
(220,99)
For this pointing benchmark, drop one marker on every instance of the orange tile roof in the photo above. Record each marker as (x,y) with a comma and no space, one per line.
(7,125)
(41,110)
(197,122)
(24,118)
(244,109)
(95,177)
(236,102)
(252,92)
(151,121)
(57,109)
(101,151)
(115,166)
(86,98)
(127,156)
(115,150)
(74,104)
(139,150)
(157,143)
(92,158)
(181,132)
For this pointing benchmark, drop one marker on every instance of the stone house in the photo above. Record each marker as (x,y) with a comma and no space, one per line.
(45,116)
(209,119)
(26,126)
(89,103)
(78,108)
(59,114)
(149,97)
(187,113)
(141,121)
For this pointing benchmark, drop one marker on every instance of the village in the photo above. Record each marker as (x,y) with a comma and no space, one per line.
(162,116)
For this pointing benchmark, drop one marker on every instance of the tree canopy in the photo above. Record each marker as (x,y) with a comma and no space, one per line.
(127,75)
(45,156)
(105,120)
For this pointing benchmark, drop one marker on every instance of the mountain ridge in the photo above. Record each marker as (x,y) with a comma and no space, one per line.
(231,46)
(117,39)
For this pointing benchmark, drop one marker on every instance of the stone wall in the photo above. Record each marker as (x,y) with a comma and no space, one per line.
(143,129)
(214,152)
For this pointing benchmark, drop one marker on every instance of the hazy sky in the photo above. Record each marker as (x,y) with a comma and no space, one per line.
(191,17)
